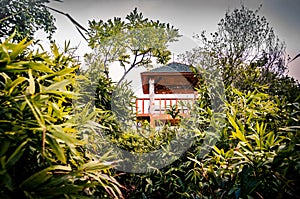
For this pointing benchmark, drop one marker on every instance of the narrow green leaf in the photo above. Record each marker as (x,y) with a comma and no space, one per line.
(59,85)
(16,155)
(39,67)
(14,68)
(7,180)
(37,116)
(55,50)
(217,150)
(59,151)
(6,78)
(96,166)
(31,87)
(63,72)
(19,48)
(4,146)
(270,139)
(68,94)
(15,83)
(58,132)
(238,133)
(4,54)
(34,181)
(64,190)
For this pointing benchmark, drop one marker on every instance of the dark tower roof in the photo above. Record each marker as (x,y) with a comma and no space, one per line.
(171,78)
(172,67)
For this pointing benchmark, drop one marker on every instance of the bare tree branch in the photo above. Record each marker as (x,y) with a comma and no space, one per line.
(78,26)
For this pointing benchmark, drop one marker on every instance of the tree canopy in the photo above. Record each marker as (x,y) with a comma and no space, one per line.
(26,17)
(244,43)
(132,42)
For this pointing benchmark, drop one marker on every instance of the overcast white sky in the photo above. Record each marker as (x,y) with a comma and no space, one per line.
(189,16)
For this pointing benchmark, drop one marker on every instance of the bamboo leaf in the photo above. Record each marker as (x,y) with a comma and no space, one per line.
(217,150)
(34,181)
(58,132)
(238,134)
(39,67)
(19,48)
(68,94)
(14,68)
(270,139)
(36,114)
(96,166)
(66,71)
(6,78)
(31,87)
(7,180)
(55,50)
(59,85)
(4,55)
(16,155)
(4,147)
(15,83)
(59,151)
(64,190)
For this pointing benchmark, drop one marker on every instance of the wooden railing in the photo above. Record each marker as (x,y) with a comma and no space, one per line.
(161,105)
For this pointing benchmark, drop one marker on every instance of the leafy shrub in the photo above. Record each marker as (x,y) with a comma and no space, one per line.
(42,151)
(257,156)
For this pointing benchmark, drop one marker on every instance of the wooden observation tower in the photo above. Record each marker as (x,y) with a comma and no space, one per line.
(167,87)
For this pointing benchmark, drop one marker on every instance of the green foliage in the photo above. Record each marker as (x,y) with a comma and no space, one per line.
(173,111)
(257,155)
(26,17)
(133,42)
(243,162)
(246,50)
(42,151)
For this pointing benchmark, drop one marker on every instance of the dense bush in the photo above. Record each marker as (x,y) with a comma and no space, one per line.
(43,153)
(257,156)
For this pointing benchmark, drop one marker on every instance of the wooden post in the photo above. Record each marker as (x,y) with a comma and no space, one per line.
(151,96)
(152,101)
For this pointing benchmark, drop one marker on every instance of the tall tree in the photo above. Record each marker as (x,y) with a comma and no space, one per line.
(132,42)
(244,47)
(26,17)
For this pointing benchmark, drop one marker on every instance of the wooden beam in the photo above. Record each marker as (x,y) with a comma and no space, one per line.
(151,95)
